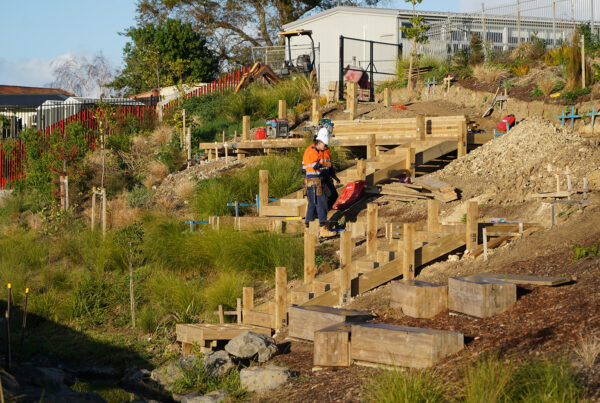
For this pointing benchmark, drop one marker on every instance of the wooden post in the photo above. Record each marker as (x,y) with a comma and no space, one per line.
(485,248)
(371,146)
(433,213)
(408,256)
(103,212)
(245,128)
(226,152)
(263,191)
(345,263)
(183,132)
(361,169)
(221,315)
(420,127)
(462,140)
(315,113)
(410,160)
(352,99)
(188,143)
(280,298)
(471,235)
(248,301)
(93,208)
(371,228)
(282,109)
(387,97)
(238,309)
(309,252)
(582,61)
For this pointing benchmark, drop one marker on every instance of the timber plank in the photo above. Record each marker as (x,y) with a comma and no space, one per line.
(419,299)
(480,297)
(525,279)
(332,346)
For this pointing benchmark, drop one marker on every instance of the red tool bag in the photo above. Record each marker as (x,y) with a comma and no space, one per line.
(507,122)
(351,193)
(260,134)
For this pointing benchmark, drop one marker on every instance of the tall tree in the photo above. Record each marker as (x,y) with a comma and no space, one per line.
(83,76)
(232,27)
(417,33)
(165,53)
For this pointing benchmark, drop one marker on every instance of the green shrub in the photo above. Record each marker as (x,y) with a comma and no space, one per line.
(93,297)
(581,252)
(536,93)
(224,289)
(404,386)
(195,378)
(488,380)
(171,154)
(138,196)
(572,96)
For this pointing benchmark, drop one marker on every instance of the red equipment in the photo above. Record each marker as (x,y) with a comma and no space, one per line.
(506,123)
(260,134)
(351,193)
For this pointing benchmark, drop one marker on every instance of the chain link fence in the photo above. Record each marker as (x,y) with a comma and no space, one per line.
(505,27)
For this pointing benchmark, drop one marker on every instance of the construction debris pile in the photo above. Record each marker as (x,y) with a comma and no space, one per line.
(425,188)
(510,168)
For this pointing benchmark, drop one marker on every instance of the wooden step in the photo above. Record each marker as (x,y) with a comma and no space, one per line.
(305,320)
(479,296)
(402,345)
(207,335)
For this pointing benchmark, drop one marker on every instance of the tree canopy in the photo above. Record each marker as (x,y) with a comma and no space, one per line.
(165,53)
(232,27)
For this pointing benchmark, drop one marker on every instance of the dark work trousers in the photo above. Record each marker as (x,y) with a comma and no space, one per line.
(317,206)
(330,192)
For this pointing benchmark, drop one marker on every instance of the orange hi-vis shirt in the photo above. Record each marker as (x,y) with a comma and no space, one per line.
(311,162)
(326,166)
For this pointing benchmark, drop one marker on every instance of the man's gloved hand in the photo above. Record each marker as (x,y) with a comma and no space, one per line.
(337,180)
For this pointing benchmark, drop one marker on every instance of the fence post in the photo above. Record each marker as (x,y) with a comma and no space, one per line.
(245,128)
(433,213)
(316,115)
(309,252)
(282,109)
(248,302)
(183,132)
(408,248)
(345,263)
(471,235)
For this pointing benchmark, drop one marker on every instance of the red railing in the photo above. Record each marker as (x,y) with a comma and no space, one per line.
(12,157)
(225,82)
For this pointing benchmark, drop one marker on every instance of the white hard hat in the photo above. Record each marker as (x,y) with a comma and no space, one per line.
(323,136)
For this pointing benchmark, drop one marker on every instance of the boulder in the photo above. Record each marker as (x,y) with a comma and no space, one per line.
(261,379)
(169,373)
(218,363)
(250,345)
(215,396)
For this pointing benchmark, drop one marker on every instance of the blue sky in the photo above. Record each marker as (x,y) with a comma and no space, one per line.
(35,32)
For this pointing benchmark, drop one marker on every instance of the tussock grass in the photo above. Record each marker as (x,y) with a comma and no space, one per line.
(405,386)
(195,378)
(487,380)
(587,350)
(490,73)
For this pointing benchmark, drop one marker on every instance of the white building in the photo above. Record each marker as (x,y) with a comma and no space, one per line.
(449,33)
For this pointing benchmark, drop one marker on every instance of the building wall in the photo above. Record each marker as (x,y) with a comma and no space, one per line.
(356,24)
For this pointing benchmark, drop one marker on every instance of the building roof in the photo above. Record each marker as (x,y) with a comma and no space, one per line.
(20,90)
(29,99)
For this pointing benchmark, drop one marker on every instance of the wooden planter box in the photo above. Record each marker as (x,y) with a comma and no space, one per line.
(419,299)
(332,346)
(401,345)
(480,297)
(306,320)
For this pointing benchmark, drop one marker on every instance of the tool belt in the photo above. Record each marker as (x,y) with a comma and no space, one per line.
(315,182)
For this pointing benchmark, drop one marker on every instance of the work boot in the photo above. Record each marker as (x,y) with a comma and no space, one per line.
(325,233)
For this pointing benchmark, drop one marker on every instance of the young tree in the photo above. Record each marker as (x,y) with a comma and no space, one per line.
(130,240)
(164,54)
(232,27)
(417,33)
(476,46)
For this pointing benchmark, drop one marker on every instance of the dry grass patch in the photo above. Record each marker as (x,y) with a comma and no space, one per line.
(156,171)
(489,73)
(161,136)
(185,189)
(120,214)
(588,350)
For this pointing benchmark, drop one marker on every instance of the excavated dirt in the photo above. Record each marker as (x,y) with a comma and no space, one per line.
(510,168)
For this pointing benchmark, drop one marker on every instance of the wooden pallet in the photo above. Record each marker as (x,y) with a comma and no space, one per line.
(208,335)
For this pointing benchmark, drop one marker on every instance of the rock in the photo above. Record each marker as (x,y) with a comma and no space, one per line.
(218,363)
(49,378)
(169,373)
(215,396)
(136,374)
(251,345)
(261,379)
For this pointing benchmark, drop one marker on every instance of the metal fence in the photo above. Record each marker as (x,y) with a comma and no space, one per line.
(53,117)
(505,27)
